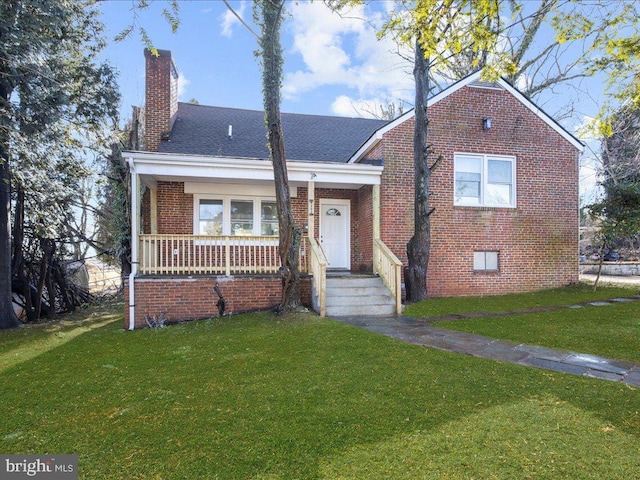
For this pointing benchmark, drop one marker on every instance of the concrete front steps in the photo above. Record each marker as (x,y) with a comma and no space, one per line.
(351,294)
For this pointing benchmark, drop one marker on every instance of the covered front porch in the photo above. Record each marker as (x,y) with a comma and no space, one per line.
(199,216)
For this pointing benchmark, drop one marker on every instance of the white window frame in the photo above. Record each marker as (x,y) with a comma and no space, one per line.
(485,158)
(226,212)
(480,260)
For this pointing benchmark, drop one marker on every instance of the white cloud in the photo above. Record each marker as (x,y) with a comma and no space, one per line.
(346,106)
(590,161)
(586,130)
(589,188)
(344,51)
(229,20)
(182,85)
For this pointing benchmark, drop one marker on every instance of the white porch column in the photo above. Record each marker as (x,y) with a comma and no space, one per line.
(311,218)
(376,212)
(153,203)
(135,229)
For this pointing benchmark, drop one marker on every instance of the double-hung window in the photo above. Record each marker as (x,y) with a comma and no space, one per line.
(484,180)
(226,215)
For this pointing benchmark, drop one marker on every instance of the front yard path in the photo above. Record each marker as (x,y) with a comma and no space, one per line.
(419,332)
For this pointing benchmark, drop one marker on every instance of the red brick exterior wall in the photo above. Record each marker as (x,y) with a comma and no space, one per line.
(184,298)
(161,97)
(175,209)
(364,237)
(537,241)
(396,189)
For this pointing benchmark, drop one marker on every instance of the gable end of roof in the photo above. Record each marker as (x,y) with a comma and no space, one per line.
(474,80)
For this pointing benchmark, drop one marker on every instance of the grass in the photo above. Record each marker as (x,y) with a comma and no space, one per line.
(565,296)
(257,397)
(610,331)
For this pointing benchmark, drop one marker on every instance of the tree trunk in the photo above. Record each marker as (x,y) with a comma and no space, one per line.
(8,317)
(20,280)
(60,278)
(415,274)
(595,283)
(290,234)
(48,248)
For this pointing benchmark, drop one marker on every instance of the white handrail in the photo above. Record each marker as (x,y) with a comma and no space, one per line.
(388,266)
(318,268)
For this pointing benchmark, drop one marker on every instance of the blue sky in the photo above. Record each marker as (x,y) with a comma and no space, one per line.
(333,65)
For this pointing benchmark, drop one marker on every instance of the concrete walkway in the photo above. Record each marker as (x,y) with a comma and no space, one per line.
(420,332)
(616,280)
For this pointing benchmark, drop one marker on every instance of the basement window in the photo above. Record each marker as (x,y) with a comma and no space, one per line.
(485,261)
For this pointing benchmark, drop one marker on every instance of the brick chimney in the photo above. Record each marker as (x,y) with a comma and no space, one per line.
(161,97)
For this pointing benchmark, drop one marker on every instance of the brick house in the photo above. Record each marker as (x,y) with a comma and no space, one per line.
(203,206)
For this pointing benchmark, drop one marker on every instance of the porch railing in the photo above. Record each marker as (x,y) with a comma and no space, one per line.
(212,255)
(318,268)
(388,266)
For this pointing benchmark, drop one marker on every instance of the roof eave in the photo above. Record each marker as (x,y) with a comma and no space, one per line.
(202,167)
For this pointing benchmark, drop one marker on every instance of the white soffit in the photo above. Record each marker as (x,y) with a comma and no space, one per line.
(240,189)
(202,168)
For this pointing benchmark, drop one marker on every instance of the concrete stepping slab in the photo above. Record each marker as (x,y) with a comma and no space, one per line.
(633,377)
(614,377)
(544,353)
(601,364)
(554,365)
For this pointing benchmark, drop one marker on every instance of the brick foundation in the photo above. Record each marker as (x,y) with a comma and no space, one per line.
(191,298)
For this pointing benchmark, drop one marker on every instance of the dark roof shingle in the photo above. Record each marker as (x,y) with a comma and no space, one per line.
(203,130)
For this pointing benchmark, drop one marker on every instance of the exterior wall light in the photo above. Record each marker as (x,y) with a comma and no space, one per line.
(486,123)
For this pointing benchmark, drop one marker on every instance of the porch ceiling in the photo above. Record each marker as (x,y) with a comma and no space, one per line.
(154,167)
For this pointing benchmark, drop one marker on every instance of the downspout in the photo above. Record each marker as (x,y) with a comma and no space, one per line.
(135,189)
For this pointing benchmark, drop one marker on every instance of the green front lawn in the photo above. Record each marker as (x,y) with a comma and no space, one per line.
(611,330)
(257,397)
(437,307)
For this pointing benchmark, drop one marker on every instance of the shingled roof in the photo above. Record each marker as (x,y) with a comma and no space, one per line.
(203,130)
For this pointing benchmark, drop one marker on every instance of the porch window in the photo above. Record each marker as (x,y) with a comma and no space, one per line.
(484,180)
(232,216)
(211,213)
(269,218)
(241,217)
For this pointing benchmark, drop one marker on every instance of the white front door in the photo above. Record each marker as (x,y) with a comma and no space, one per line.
(335,219)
